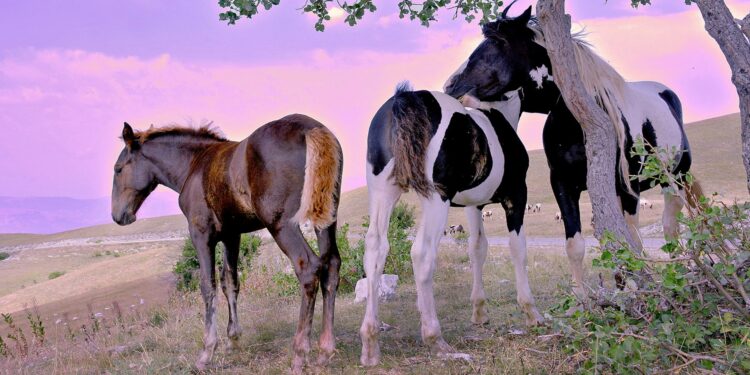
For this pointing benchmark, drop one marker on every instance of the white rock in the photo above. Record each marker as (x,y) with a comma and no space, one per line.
(386,291)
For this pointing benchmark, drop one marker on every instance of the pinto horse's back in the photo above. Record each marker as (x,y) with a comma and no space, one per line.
(298,153)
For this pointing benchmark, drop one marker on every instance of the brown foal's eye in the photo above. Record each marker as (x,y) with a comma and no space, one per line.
(118,169)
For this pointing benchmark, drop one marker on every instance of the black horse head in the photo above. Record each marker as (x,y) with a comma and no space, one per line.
(507,59)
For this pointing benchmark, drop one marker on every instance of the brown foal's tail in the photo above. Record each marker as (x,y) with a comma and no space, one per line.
(693,193)
(323,166)
(409,141)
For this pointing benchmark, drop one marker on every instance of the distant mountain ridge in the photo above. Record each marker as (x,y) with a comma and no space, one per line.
(46,215)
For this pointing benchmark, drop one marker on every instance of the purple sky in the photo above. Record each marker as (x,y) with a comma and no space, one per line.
(71,72)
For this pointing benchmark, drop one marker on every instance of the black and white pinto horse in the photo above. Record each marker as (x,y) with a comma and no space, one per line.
(451,156)
(513,57)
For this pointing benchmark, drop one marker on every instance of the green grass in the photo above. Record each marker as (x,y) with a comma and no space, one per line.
(55,274)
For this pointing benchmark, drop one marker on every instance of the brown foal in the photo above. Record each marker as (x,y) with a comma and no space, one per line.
(284,174)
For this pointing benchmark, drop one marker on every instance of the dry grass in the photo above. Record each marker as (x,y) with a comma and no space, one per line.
(171,344)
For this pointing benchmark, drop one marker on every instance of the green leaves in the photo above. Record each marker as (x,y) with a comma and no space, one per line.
(425,11)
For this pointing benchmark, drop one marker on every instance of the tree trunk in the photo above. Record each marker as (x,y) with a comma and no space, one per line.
(733,42)
(601,140)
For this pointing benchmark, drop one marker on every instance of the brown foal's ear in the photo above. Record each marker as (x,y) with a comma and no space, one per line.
(129,137)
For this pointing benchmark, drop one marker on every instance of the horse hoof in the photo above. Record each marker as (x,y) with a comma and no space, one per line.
(440,347)
(298,365)
(535,319)
(201,366)
(324,359)
(370,351)
(480,319)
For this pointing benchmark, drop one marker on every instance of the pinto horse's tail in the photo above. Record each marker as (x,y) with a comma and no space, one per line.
(323,167)
(409,141)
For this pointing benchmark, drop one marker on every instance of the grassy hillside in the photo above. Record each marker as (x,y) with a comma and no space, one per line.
(161,334)
(717,163)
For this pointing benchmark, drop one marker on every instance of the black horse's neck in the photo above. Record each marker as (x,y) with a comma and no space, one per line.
(539,100)
(172,158)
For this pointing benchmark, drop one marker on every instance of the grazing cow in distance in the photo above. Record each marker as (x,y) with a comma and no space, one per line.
(646,203)
(528,208)
(537,207)
(486,215)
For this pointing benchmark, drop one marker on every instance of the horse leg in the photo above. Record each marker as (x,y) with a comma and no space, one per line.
(630,207)
(231,287)
(477,255)
(575,246)
(517,244)
(307,268)
(383,197)
(329,280)
(423,256)
(205,249)
(672,206)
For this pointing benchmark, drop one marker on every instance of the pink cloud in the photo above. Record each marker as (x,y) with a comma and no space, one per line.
(66,107)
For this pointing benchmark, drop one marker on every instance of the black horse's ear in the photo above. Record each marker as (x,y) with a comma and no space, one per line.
(525,16)
(129,137)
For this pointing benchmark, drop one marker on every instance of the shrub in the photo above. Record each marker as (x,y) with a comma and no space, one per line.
(4,255)
(187,267)
(688,312)
(352,260)
(399,255)
(285,284)
(55,274)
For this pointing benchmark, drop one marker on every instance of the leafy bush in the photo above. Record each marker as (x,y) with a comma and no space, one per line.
(687,312)
(55,274)
(187,267)
(4,255)
(352,260)
(285,284)
(399,256)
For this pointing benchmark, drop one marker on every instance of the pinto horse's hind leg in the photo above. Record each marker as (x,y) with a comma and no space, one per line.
(423,256)
(477,254)
(231,286)
(307,268)
(205,249)
(575,246)
(382,199)
(329,281)
(672,205)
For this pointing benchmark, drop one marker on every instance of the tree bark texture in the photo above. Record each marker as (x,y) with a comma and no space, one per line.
(733,41)
(601,139)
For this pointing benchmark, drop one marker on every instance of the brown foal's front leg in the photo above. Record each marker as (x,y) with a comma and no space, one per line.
(329,281)
(306,265)
(204,246)
(231,286)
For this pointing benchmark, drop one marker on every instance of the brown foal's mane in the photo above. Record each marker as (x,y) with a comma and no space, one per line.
(204,131)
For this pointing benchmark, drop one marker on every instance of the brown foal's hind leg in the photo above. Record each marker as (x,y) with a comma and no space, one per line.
(329,281)
(205,249)
(306,265)
(231,286)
